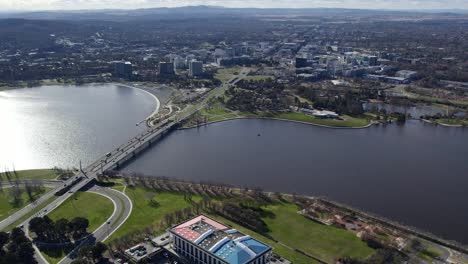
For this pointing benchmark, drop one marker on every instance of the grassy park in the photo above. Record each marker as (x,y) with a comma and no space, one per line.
(452,121)
(430,253)
(30,175)
(288,227)
(347,121)
(221,113)
(226,74)
(8,207)
(94,207)
(146,213)
(325,242)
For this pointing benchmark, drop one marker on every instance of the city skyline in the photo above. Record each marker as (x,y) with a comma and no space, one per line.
(35,5)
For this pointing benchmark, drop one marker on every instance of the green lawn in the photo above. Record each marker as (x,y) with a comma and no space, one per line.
(96,208)
(8,208)
(429,253)
(218,114)
(226,74)
(283,251)
(347,121)
(31,175)
(144,214)
(288,227)
(325,242)
(215,111)
(452,121)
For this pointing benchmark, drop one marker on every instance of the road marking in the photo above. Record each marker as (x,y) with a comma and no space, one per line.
(125,220)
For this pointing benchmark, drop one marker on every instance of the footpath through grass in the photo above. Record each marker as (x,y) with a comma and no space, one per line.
(31,175)
(7,207)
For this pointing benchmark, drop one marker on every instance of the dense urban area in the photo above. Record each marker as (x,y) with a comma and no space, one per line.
(327,67)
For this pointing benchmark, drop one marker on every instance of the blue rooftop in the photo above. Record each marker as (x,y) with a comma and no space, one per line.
(233,254)
(241,251)
(255,245)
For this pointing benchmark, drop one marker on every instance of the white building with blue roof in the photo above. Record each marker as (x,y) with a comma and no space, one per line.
(203,240)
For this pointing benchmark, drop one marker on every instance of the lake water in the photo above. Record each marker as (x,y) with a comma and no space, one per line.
(60,125)
(416,174)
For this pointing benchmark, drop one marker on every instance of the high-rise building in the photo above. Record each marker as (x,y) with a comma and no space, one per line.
(195,68)
(166,68)
(123,69)
(301,62)
(372,60)
(203,240)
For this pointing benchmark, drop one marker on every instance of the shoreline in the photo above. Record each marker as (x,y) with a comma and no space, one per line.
(439,124)
(279,119)
(367,214)
(158,103)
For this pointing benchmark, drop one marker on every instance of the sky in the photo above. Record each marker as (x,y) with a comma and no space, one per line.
(29,5)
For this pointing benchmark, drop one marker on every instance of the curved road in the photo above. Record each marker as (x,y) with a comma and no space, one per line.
(122,210)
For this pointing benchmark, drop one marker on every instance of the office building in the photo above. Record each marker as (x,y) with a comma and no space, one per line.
(123,69)
(195,68)
(166,68)
(301,62)
(203,240)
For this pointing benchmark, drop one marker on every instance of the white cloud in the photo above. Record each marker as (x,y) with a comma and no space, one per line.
(132,4)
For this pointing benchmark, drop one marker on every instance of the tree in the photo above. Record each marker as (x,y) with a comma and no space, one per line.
(19,249)
(37,225)
(15,194)
(92,254)
(29,191)
(98,251)
(85,252)
(62,227)
(78,226)
(25,253)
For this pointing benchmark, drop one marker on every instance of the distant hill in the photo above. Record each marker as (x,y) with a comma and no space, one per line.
(211,11)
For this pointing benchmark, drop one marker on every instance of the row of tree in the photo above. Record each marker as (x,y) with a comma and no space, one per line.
(60,231)
(166,184)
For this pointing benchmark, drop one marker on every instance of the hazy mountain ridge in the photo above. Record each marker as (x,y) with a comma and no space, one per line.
(215,11)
